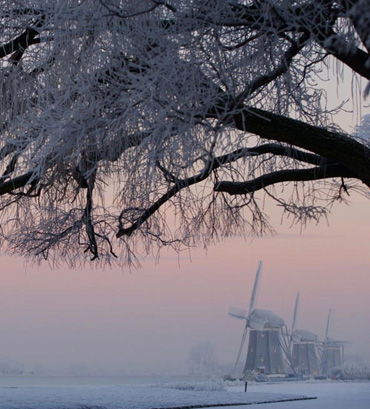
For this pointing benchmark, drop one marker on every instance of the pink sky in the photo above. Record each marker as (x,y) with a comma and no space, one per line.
(147,320)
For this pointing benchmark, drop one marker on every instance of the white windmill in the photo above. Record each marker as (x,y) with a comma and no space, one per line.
(263,329)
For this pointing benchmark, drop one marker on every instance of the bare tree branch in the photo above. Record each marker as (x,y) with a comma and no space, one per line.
(296,175)
(16,183)
(110,110)
(314,139)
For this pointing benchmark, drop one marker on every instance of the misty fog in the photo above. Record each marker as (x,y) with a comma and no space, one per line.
(147,321)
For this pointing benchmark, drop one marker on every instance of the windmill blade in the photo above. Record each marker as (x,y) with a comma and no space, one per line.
(255,288)
(285,346)
(244,337)
(295,315)
(327,326)
(238,313)
(245,316)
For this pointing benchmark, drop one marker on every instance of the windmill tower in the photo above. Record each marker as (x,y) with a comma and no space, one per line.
(332,352)
(305,348)
(263,329)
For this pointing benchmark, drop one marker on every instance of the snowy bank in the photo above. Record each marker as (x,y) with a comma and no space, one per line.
(128,397)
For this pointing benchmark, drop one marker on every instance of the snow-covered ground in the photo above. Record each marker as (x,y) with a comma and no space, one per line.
(113,393)
(330,395)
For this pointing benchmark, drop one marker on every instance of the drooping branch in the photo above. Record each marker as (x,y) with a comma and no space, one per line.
(49,240)
(179,185)
(355,58)
(274,149)
(282,68)
(215,164)
(87,219)
(292,175)
(299,18)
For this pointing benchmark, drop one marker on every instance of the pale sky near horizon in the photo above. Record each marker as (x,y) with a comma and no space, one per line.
(146,321)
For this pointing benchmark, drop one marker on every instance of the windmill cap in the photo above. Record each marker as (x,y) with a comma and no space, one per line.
(303,335)
(266,319)
(335,342)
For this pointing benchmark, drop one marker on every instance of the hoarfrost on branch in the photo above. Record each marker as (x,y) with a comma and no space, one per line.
(127,126)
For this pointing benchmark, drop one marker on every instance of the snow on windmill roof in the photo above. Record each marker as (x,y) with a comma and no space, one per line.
(261,319)
(300,335)
(335,342)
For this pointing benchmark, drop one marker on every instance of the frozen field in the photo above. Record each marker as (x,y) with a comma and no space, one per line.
(119,393)
(330,395)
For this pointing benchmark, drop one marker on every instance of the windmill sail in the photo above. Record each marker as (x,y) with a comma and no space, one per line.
(242,314)
(238,313)
(255,288)
(327,326)
(295,315)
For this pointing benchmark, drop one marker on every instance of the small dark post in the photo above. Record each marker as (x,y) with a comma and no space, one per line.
(245,386)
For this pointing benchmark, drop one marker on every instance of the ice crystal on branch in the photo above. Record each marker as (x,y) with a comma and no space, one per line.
(127,126)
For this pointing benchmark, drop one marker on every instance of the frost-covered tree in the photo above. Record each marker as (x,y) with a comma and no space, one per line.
(127,125)
(202,359)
